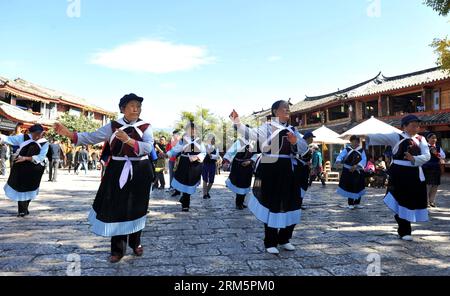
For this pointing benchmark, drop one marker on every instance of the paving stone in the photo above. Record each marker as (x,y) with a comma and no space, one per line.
(216,239)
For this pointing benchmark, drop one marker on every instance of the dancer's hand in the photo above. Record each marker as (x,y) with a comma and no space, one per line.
(234,116)
(60,129)
(292,138)
(20,159)
(408,156)
(122,136)
(225,165)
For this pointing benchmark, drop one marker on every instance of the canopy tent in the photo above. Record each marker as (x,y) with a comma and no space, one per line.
(329,141)
(370,126)
(324,135)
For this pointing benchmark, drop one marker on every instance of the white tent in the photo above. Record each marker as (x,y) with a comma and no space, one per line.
(324,135)
(370,126)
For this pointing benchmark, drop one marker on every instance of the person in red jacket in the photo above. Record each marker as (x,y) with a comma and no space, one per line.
(172,143)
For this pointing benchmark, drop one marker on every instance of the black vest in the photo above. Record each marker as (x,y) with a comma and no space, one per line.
(408,145)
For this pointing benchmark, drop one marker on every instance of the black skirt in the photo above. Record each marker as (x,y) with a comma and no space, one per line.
(303,172)
(123,211)
(432,175)
(407,194)
(276,199)
(187,176)
(240,178)
(352,184)
(24,181)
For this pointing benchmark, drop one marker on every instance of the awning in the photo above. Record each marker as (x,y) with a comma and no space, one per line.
(324,135)
(370,126)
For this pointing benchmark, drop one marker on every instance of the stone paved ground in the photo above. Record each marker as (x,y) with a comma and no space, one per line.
(215,239)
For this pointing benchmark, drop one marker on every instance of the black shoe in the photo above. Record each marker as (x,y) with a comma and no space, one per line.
(205,196)
(209,196)
(303,207)
(139,251)
(115,258)
(185,209)
(21,215)
(433,205)
(240,207)
(176,193)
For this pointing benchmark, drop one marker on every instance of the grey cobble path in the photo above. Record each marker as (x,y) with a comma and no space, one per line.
(215,239)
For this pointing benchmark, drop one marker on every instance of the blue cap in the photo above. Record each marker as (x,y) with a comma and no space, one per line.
(308,135)
(410,118)
(36,128)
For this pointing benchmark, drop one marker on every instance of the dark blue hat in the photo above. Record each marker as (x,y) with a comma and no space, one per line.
(128,98)
(410,118)
(354,137)
(308,135)
(36,128)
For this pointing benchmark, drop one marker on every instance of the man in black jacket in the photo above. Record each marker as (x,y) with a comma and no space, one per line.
(55,155)
(83,158)
(3,158)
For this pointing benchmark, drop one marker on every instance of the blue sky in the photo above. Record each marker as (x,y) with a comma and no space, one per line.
(219,54)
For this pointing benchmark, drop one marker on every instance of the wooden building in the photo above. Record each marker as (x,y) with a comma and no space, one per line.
(424,93)
(41,104)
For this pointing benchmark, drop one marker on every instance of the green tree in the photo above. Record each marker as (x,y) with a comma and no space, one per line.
(161,133)
(442,49)
(76,123)
(441,46)
(205,121)
(441,6)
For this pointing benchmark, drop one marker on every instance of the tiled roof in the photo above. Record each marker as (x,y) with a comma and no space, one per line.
(378,84)
(405,80)
(261,113)
(62,96)
(26,92)
(338,128)
(427,119)
(29,90)
(17,114)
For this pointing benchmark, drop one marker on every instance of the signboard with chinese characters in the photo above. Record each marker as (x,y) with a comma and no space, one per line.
(7,125)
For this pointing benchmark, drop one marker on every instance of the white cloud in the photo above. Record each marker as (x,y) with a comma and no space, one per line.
(153,56)
(273,59)
(168,85)
(11,63)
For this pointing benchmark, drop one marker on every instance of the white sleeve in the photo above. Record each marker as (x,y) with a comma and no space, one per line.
(442,154)
(231,153)
(425,156)
(255,134)
(40,158)
(92,138)
(255,157)
(363,161)
(12,140)
(202,154)
(216,155)
(302,146)
(146,145)
(176,149)
(341,156)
